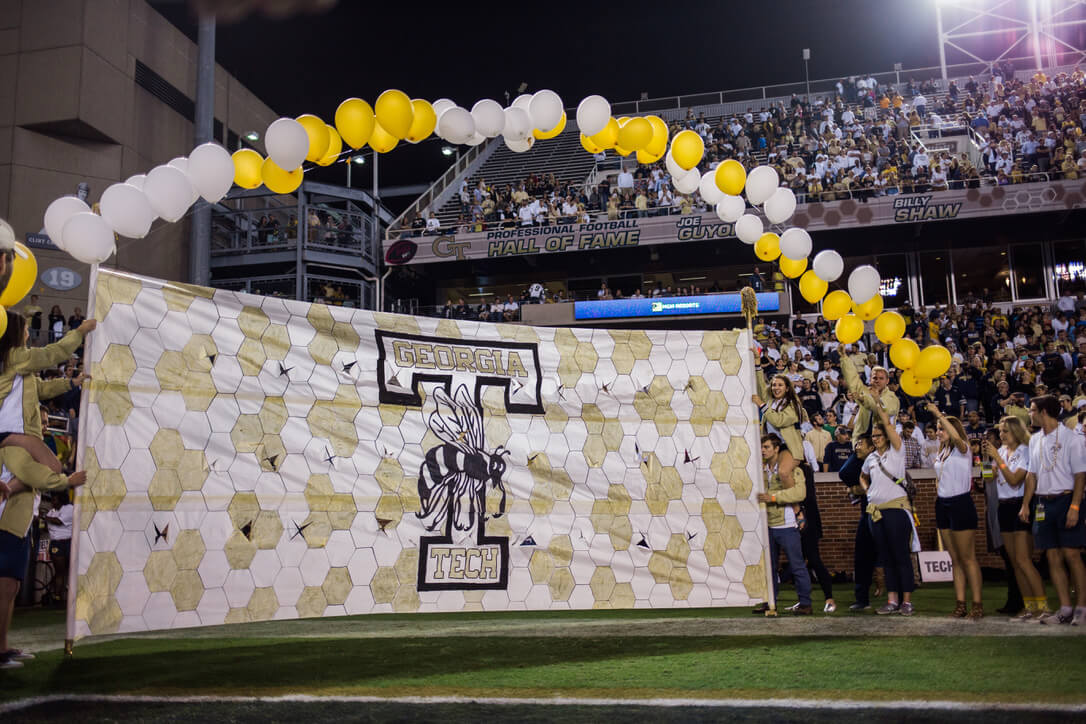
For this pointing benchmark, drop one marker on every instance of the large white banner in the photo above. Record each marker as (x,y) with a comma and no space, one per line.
(252,458)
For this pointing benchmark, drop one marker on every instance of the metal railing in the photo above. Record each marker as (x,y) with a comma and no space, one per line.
(443,182)
(269,286)
(257,229)
(335,291)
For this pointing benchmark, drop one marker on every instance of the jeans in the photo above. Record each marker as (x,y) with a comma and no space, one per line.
(893,535)
(788,539)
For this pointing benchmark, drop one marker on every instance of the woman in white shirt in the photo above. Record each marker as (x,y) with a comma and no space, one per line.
(891,514)
(955,511)
(849,408)
(1011,463)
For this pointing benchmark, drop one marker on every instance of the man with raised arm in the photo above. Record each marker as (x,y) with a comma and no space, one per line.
(866,396)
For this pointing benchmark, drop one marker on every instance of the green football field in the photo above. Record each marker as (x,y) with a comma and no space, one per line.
(703,655)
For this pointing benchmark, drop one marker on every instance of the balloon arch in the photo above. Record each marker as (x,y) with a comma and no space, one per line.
(167,191)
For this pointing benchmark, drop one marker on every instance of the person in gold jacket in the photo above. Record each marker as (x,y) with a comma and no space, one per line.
(782,493)
(866,396)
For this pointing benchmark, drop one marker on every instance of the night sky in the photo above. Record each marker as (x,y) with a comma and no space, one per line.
(310,63)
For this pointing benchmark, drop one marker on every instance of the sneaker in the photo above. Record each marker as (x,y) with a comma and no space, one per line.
(1024,615)
(858,607)
(18,654)
(799,610)
(829,607)
(760,609)
(7,662)
(907,609)
(1078,618)
(1054,618)
(887,609)
(793,608)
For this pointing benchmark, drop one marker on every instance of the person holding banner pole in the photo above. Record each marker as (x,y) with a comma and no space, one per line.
(780,496)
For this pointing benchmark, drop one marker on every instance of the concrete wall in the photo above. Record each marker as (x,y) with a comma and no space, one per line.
(70,111)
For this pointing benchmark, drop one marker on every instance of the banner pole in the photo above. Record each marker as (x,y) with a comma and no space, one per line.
(81,445)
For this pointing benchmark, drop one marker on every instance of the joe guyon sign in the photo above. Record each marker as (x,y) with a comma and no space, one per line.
(626,233)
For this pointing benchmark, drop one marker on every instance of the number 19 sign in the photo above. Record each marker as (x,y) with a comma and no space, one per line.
(61,278)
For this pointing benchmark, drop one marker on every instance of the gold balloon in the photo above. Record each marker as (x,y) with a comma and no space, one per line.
(731,177)
(636,134)
(279,180)
(836,305)
(646,156)
(932,362)
(247,168)
(606,138)
(423,122)
(914,386)
(903,353)
(354,121)
(335,145)
(792,268)
(317,130)
(589,145)
(687,149)
(622,151)
(849,329)
(811,287)
(394,113)
(768,247)
(558,128)
(24,273)
(869,309)
(382,141)
(3,321)
(658,145)
(889,327)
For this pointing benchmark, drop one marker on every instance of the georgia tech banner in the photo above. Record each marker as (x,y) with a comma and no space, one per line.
(252,458)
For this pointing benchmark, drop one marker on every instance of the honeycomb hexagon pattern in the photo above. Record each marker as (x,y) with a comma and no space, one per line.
(253,458)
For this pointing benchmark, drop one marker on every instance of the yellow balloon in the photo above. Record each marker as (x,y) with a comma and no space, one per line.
(622,151)
(811,287)
(645,156)
(382,141)
(768,247)
(606,138)
(889,327)
(836,305)
(792,268)
(849,329)
(423,121)
(636,134)
(731,177)
(3,321)
(914,386)
(247,168)
(354,121)
(687,148)
(658,145)
(394,113)
(932,362)
(335,145)
(279,180)
(589,145)
(317,130)
(903,353)
(869,309)
(24,273)
(547,135)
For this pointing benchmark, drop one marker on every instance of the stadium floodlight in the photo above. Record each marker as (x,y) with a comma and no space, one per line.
(448,150)
(252,136)
(359,159)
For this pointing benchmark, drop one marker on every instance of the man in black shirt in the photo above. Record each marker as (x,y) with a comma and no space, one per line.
(799,327)
(838,451)
(808,397)
(949,399)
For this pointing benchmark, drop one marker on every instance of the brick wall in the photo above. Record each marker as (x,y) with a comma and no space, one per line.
(839,521)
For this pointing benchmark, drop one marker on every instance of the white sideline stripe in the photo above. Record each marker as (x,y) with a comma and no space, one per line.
(838,704)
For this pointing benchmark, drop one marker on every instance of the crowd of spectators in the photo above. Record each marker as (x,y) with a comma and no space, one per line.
(858,142)
(1001,360)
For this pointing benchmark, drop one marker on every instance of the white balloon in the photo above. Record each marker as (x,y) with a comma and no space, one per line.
(780,206)
(211,171)
(592,115)
(138,180)
(709,190)
(828,265)
(520,146)
(7,234)
(795,243)
(863,283)
(169,191)
(441,105)
(762,181)
(456,125)
(518,124)
(687,183)
(88,237)
(476,139)
(127,210)
(673,168)
(749,228)
(287,143)
(182,164)
(58,212)
(545,108)
(730,208)
(522,101)
(489,117)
